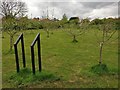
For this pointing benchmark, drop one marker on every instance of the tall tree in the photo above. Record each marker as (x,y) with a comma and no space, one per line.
(10,12)
(13,8)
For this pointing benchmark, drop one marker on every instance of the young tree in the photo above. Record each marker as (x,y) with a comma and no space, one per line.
(46,23)
(107,30)
(74,32)
(77,28)
(10,11)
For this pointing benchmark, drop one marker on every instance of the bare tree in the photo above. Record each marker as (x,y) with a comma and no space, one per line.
(107,32)
(78,29)
(74,33)
(11,10)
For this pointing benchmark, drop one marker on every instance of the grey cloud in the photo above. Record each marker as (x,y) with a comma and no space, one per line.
(80,9)
(94,5)
(68,8)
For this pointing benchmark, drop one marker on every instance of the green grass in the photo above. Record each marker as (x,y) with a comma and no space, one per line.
(70,62)
(25,78)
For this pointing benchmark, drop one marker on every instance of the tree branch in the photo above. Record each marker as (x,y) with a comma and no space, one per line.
(111,36)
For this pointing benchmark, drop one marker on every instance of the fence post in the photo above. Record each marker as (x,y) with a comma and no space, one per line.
(39,53)
(16,52)
(37,38)
(33,62)
(23,51)
(16,56)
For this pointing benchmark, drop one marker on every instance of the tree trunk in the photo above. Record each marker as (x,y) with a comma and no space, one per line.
(101,49)
(11,42)
(74,38)
(47,34)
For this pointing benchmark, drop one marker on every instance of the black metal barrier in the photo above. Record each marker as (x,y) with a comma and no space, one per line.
(37,38)
(16,52)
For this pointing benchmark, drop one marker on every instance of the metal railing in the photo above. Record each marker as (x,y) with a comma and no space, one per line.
(16,52)
(37,39)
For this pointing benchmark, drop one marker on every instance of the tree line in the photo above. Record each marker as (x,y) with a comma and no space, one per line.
(23,23)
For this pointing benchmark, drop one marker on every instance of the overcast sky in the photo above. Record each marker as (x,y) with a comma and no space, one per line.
(56,9)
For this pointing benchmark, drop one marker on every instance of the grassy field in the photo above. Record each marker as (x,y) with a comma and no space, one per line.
(64,64)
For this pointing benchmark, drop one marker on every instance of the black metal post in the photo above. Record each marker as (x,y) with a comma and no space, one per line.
(16,52)
(39,53)
(33,62)
(23,51)
(37,38)
(16,56)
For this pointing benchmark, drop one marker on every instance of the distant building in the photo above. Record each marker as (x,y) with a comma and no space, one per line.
(76,20)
